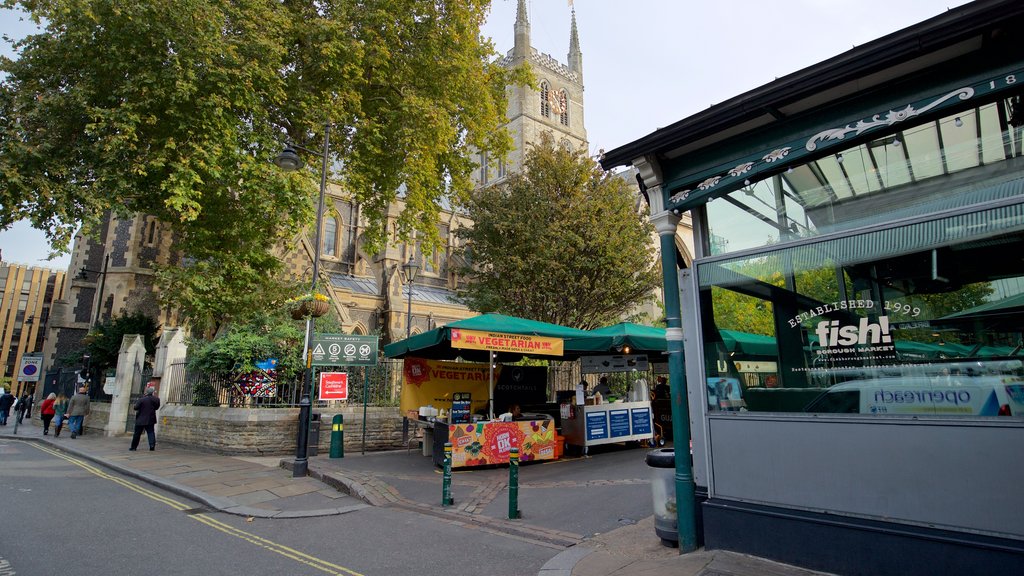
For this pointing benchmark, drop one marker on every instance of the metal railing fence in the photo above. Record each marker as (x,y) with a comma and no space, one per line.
(378,385)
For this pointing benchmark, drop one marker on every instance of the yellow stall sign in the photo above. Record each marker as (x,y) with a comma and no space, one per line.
(501,342)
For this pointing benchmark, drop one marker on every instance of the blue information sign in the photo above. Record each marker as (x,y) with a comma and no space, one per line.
(641,421)
(597,425)
(619,422)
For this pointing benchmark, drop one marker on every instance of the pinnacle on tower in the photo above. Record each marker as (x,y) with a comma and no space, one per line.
(575,59)
(522,29)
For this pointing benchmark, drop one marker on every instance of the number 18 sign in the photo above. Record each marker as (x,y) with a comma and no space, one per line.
(333,386)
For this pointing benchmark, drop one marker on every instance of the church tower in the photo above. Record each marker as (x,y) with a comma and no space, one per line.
(555,105)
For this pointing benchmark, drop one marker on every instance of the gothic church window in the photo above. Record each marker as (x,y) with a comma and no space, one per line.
(545,102)
(563,107)
(483,168)
(330,240)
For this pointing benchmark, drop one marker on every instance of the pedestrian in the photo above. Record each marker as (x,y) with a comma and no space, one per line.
(145,419)
(661,389)
(46,412)
(6,401)
(20,406)
(60,407)
(78,409)
(30,398)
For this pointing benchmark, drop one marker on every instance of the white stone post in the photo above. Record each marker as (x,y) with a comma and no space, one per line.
(130,361)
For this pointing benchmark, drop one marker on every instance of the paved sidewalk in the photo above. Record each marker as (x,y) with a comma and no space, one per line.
(243,486)
(260,487)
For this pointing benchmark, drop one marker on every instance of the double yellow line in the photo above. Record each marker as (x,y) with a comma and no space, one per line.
(287,552)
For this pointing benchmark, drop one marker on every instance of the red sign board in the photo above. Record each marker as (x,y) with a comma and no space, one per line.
(333,386)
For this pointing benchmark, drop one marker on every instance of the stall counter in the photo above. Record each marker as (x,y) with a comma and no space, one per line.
(591,425)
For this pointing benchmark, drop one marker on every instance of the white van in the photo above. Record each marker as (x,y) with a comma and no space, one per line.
(951,395)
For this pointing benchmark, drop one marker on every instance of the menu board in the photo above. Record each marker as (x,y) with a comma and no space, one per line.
(619,422)
(597,425)
(461,408)
(641,421)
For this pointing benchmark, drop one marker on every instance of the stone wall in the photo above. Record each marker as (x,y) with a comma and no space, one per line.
(272,431)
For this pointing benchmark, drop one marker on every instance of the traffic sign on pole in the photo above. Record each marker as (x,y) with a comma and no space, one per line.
(30,367)
(343,350)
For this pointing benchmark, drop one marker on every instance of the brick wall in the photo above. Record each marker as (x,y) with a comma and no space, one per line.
(272,431)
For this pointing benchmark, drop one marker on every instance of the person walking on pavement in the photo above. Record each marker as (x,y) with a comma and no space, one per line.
(20,406)
(6,401)
(60,407)
(46,412)
(78,409)
(30,398)
(145,419)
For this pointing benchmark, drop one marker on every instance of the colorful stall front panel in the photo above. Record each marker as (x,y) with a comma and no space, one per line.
(485,443)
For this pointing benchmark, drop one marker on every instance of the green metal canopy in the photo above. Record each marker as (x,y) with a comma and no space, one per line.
(436,344)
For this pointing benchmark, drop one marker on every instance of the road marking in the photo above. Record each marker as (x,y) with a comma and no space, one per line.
(281,549)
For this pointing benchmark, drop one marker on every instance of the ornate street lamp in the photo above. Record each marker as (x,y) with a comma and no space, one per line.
(289,160)
(410,269)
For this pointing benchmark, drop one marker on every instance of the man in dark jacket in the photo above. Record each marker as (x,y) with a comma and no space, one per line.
(145,419)
(6,401)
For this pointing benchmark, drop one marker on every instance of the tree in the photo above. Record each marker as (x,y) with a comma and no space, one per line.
(103,343)
(175,109)
(561,242)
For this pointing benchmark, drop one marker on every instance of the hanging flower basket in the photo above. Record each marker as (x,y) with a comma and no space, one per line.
(315,305)
(314,308)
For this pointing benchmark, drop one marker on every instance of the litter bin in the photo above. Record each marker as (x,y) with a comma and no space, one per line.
(663,490)
(314,434)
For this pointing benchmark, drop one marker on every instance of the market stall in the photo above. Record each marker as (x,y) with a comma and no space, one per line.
(461,398)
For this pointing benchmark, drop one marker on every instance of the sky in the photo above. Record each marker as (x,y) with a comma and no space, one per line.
(648,63)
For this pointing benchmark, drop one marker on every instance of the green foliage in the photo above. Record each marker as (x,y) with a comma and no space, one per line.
(204,394)
(562,242)
(253,339)
(175,109)
(103,343)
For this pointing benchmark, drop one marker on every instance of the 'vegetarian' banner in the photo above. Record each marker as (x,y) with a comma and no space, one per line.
(433,382)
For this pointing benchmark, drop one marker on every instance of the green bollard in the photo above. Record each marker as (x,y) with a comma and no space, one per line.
(446,483)
(338,436)
(513,485)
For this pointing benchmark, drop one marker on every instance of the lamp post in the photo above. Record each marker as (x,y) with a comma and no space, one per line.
(288,160)
(410,269)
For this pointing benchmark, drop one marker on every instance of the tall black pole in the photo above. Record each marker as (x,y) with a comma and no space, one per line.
(408,316)
(301,465)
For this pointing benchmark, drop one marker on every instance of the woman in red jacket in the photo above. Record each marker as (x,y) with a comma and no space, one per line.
(46,412)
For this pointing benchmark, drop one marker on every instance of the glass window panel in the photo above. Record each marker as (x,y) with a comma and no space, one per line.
(808,187)
(927,323)
(827,195)
(960,143)
(834,176)
(860,171)
(923,142)
(992,149)
(891,162)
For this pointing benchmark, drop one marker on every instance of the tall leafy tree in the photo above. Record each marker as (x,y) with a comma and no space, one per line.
(560,242)
(175,108)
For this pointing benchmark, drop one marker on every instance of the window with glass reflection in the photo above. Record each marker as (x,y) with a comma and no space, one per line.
(924,319)
(966,158)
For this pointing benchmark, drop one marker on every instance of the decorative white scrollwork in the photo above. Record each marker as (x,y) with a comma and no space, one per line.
(680,196)
(741,169)
(777,154)
(876,121)
(709,183)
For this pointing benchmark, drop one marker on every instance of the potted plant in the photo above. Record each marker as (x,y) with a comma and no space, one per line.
(312,304)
